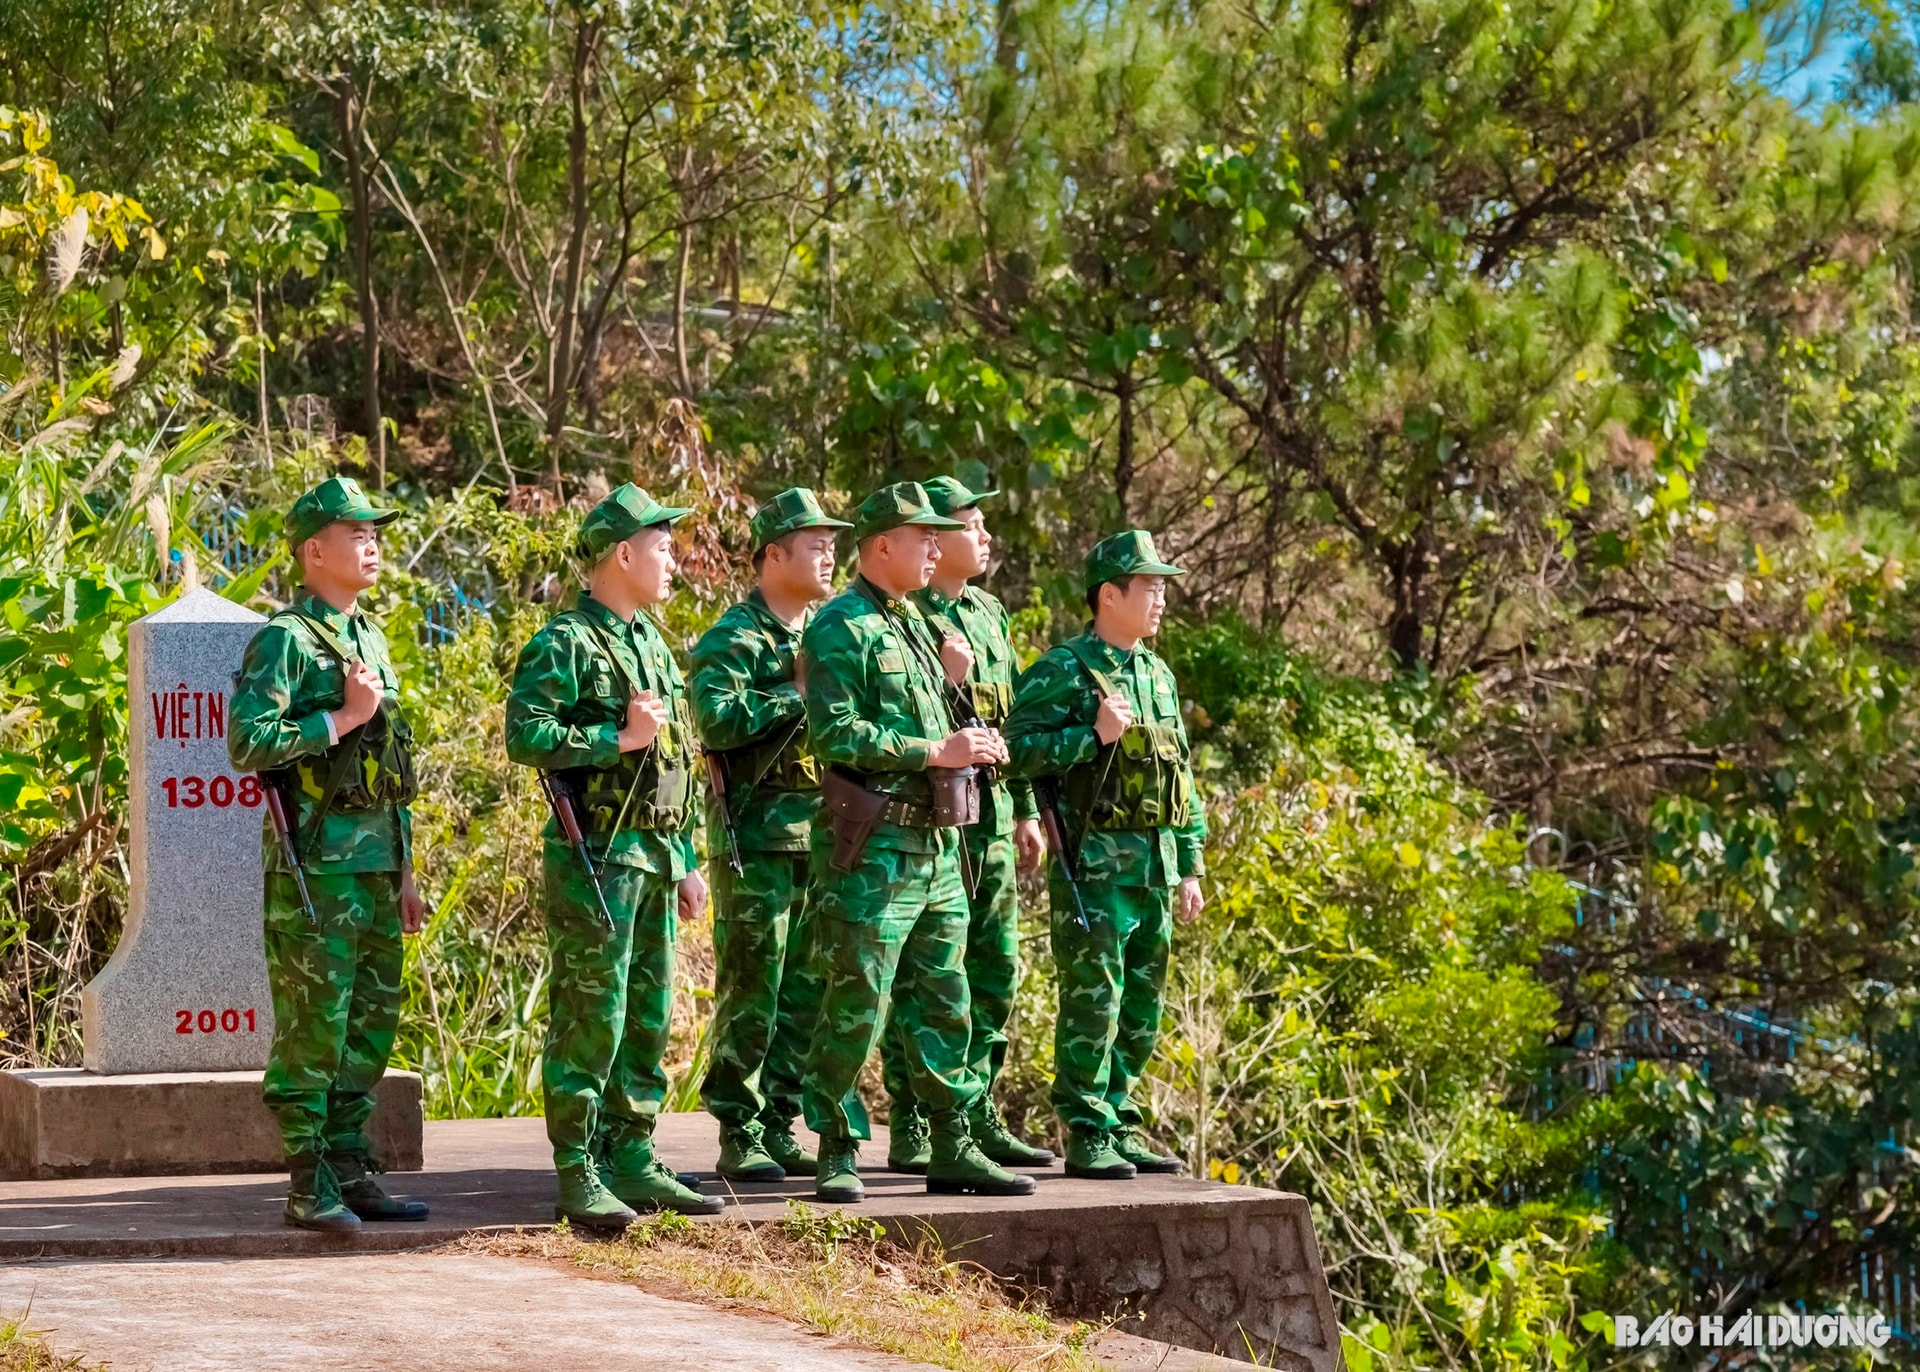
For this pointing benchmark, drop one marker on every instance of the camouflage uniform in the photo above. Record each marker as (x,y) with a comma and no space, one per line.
(876,713)
(750,718)
(335,982)
(993,927)
(1139,829)
(875,708)
(610,997)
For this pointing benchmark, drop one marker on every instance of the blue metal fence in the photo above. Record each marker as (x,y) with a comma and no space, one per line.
(1889,1282)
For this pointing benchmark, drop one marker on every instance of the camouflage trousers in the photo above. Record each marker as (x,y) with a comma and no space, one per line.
(1111,982)
(609,1003)
(890,938)
(766,991)
(993,970)
(336,1005)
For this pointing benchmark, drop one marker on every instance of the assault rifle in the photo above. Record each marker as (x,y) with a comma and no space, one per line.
(560,799)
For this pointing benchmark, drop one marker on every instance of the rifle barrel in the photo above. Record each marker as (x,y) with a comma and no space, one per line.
(563,813)
(717,779)
(283,831)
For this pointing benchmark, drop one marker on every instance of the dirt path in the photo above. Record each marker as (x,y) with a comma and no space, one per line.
(425,1312)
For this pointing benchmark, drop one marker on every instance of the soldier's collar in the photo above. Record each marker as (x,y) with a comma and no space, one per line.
(891,604)
(594,610)
(757,604)
(1119,657)
(336,620)
(938,598)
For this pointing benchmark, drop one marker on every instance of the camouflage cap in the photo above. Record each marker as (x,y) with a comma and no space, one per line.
(949,497)
(619,517)
(798,508)
(1127,554)
(336,500)
(904,502)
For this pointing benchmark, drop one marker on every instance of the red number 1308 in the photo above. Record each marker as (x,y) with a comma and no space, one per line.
(190,793)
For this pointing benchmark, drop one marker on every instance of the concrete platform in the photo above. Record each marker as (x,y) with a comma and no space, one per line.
(65,1122)
(1227,1269)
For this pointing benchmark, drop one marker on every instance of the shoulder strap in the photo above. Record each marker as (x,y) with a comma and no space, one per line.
(315,626)
(1082,654)
(599,636)
(924,653)
(347,754)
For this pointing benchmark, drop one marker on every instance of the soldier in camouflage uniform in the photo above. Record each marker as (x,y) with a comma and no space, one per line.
(1097,720)
(891,913)
(750,718)
(316,712)
(598,705)
(978,657)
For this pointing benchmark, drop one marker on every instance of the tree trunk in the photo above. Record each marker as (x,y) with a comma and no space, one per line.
(560,364)
(1123,462)
(260,329)
(683,372)
(1405,631)
(347,103)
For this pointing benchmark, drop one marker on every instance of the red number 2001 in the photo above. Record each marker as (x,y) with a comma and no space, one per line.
(207,1021)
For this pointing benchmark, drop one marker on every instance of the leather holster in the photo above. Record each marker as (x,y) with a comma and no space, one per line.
(852,811)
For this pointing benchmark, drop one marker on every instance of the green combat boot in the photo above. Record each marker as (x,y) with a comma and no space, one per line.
(313,1197)
(1091,1154)
(744,1158)
(585,1202)
(989,1129)
(776,1136)
(645,1183)
(690,1180)
(1130,1141)
(957,1167)
(909,1145)
(836,1177)
(365,1196)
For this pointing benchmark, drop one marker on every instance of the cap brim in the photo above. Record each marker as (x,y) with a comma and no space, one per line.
(663,514)
(377,518)
(929,521)
(1158,569)
(973,499)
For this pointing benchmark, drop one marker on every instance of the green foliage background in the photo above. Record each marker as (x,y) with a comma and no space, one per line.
(1529,386)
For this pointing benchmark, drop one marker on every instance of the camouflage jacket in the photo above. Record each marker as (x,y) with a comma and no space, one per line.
(876,702)
(1050,733)
(745,704)
(289,683)
(569,703)
(982,620)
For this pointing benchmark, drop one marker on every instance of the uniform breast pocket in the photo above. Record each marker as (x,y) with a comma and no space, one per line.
(600,686)
(891,661)
(324,689)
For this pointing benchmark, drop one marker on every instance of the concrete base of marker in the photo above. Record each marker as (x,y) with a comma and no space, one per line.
(65,1122)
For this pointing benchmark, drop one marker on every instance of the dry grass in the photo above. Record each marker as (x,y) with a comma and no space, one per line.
(830,1272)
(24,1350)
